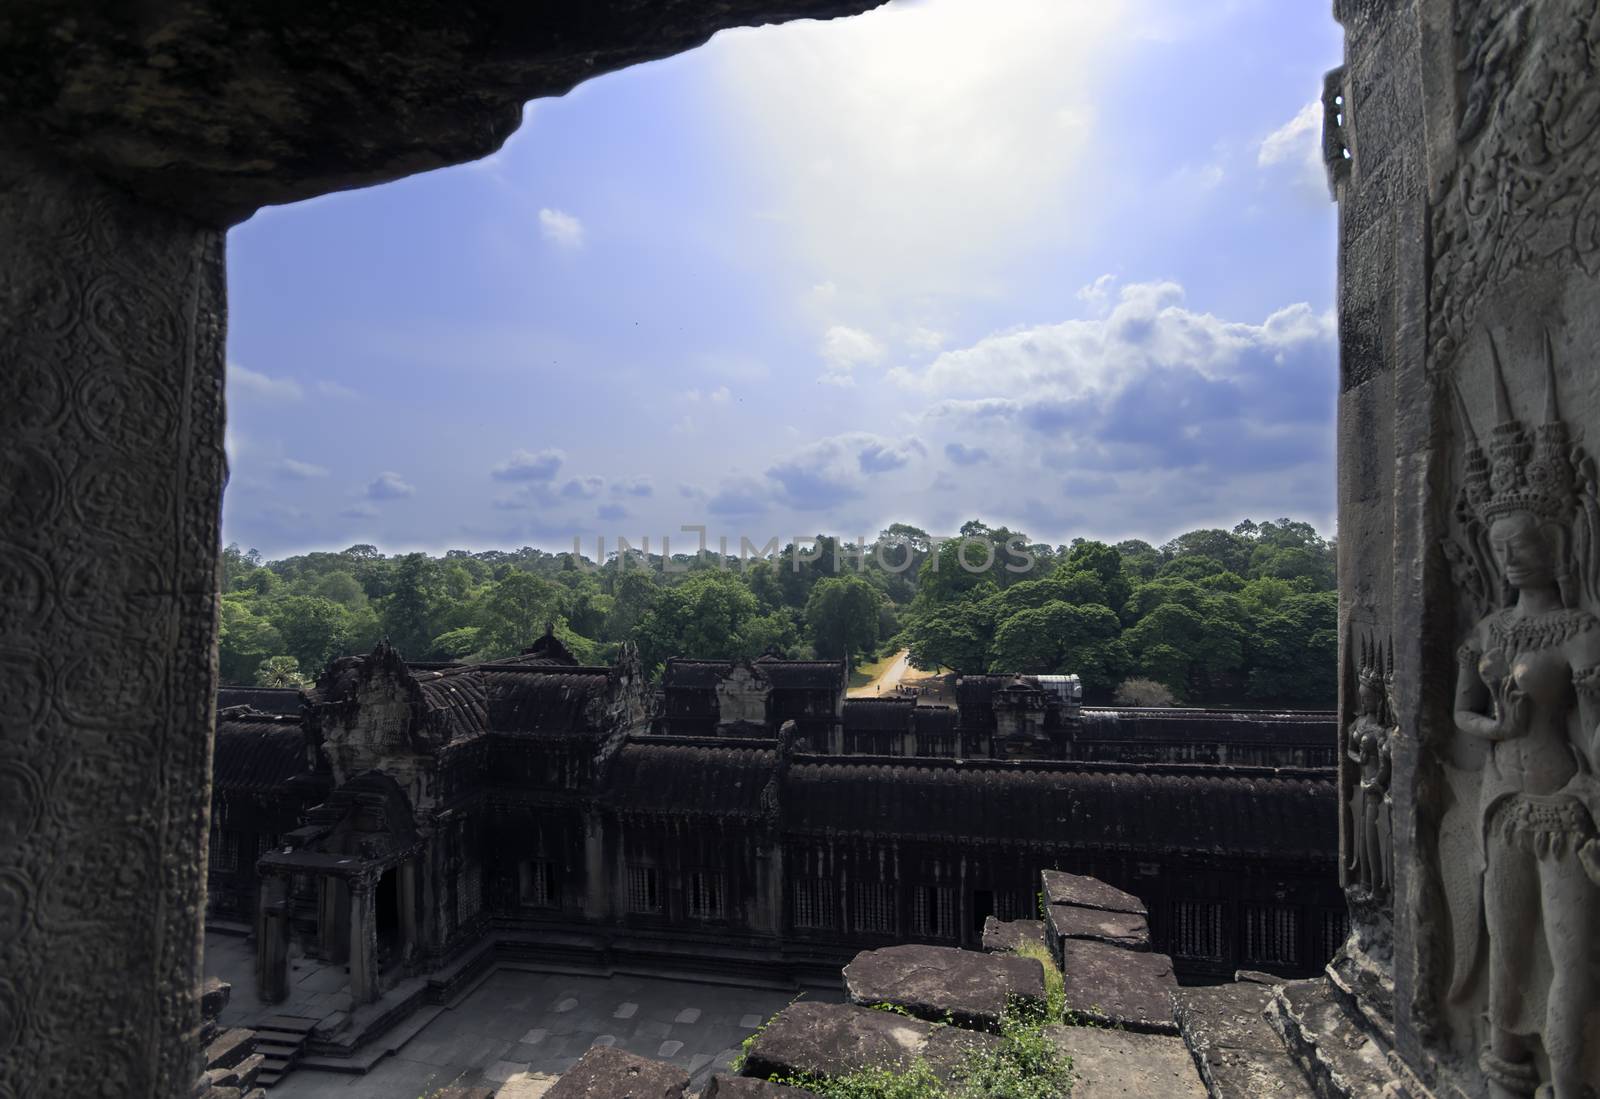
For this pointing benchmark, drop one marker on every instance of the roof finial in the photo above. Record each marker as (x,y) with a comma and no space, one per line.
(1502,400)
(549,628)
(1552,401)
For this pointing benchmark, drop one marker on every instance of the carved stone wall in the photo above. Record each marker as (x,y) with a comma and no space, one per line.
(111,470)
(1475,310)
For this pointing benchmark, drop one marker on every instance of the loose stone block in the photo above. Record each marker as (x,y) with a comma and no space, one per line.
(835,1039)
(742,1087)
(1075,889)
(606,1072)
(1238,1053)
(943,984)
(1116,987)
(1118,1064)
(1124,929)
(214,994)
(1003,936)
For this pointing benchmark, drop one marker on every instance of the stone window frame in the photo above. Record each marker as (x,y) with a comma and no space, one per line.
(933,911)
(1194,919)
(707,895)
(1273,934)
(223,852)
(872,908)
(645,896)
(813,903)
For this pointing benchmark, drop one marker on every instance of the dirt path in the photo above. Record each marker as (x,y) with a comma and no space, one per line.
(887,680)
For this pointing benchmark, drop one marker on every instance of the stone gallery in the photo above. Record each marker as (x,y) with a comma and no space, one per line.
(418,818)
(1462,138)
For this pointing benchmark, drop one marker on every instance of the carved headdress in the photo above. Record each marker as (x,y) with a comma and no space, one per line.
(1542,473)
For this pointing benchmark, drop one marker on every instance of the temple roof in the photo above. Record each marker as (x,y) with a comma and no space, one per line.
(257,752)
(681,673)
(541,698)
(456,698)
(1169,723)
(1238,811)
(705,779)
(815,675)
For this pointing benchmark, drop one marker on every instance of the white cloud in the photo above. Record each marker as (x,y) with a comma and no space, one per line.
(1297,144)
(1292,140)
(560,228)
(950,146)
(300,471)
(845,348)
(253,383)
(389,486)
(1098,293)
(526,465)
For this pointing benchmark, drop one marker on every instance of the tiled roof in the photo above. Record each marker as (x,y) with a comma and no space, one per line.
(817,675)
(1194,810)
(534,699)
(862,715)
(257,752)
(683,778)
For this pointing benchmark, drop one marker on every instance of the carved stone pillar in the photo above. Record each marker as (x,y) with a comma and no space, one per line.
(111,466)
(1469,525)
(363,943)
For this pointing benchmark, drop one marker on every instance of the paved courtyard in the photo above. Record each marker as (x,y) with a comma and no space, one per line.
(519,1021)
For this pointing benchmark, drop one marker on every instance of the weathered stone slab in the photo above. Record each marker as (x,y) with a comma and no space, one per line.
(835,1039)
(1003,936)
(1075,889)
(462,1093)
(606,1072)
(1119,1064)
(526,1085)
(230,1047)
(743,1087)
(944,984)
(1124,929)
(1341,1059)
(1111,986)
(1238,1053)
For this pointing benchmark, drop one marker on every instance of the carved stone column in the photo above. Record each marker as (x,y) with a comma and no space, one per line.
(272,940)
(111,467)
(1469,526)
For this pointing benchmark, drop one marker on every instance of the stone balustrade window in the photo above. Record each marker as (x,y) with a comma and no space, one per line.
(644,889)
(1195,930)
(1332,928)
(706,895)
(873,909)
(1272,934)
(814,902)
(933,912)
(469,893)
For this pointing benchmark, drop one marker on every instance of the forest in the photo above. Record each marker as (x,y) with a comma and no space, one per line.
(1245,618)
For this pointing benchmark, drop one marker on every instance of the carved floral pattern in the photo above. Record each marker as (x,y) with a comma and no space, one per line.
(110,481)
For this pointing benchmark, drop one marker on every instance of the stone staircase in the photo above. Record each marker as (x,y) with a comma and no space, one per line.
(281,1040)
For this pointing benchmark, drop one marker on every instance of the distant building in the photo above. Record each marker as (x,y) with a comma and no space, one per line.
(423,820)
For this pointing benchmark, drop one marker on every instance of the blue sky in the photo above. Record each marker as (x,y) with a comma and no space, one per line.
(1063,265)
